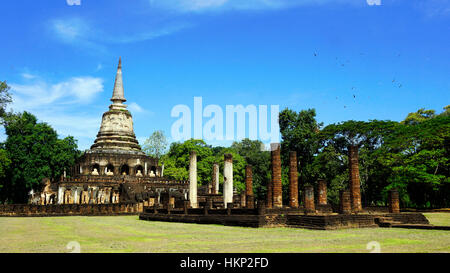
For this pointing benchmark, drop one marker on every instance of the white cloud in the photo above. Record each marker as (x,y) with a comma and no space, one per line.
(40,93)
(149,35)
(70,29)
(79,32)
(28,76)
(61,104)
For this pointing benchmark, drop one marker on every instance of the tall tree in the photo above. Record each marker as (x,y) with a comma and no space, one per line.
(254,154)
(299,132)
(156,144)
(35,153)
(419,157)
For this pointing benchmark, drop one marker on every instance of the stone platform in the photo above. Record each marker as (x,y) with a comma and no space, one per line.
(295,218)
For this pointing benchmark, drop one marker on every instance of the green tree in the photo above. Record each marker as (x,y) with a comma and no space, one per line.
(176,161)
(446,111)
(35,153)
(254,154)
(332,160)
(156,144)
(299,132)
(5,162)
(419,157)
(5,97)
(420,116)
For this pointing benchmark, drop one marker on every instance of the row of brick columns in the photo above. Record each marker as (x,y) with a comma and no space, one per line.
(350,200)
(275,190)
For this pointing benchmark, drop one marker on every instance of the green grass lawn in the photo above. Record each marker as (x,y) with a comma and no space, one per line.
(128,234)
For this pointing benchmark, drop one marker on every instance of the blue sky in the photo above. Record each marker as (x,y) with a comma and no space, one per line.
(345,58)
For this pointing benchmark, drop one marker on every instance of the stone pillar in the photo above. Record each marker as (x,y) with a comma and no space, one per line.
(186,207)
(229,208)
(308,199)
(193,179)
(209,203)
(394,201)
(261,207)
(228,179)
(215,178)
(61,191)
(293,180)
(355,184)
(269,200)
(242,200)
(172,202)
(345,206)
(276,176)
(322,192)
(250,203)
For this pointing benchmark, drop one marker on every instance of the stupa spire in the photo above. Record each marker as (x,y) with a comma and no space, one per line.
(116,131)
(118,97)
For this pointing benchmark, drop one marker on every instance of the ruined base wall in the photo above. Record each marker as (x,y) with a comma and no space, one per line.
(274,218)
(24,210)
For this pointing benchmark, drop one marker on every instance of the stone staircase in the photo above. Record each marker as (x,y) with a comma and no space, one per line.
(389,222)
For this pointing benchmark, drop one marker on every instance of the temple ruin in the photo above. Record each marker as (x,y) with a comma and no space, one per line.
(115,169)
(314,212)
(116,177)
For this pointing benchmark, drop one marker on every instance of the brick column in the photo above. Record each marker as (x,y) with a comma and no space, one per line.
(228,179)
(249,187)
(193,179)
(322,192)
(293,180)
(355,184)
(308,199)
(261,207)
(215,179)
(276,176)
(345,206)
(185,207)
(394,201)
(269,200)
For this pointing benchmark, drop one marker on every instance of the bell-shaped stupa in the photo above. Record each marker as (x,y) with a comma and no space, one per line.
(116,131)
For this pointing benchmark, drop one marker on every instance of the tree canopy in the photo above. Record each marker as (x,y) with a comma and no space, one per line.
(35,152)
(156,144)
(412,156)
